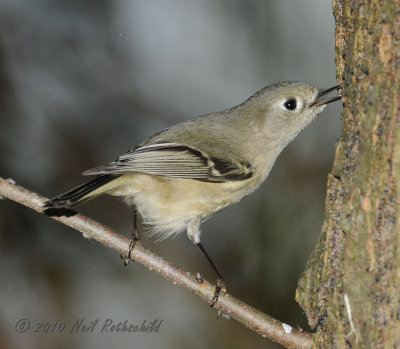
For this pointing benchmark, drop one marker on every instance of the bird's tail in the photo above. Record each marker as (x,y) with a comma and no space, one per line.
(84,192)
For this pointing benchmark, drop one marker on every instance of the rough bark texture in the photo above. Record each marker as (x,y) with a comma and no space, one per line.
(350,289)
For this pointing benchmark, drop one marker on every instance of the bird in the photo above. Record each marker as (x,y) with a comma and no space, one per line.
(186,173)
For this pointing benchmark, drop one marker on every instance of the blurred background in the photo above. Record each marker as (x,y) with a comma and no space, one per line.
(84,81)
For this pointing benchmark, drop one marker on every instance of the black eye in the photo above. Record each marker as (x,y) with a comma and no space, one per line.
(290,104)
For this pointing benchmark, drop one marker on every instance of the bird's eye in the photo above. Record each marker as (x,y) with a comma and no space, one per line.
(290,104)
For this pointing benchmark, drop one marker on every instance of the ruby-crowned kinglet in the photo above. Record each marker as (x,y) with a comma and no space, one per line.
(186,173)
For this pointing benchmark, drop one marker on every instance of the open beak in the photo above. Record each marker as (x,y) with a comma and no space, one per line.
(318,102)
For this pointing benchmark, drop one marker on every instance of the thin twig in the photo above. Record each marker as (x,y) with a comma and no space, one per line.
(252,318)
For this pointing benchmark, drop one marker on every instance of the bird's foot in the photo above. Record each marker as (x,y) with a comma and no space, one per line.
(134,241)
(220,286)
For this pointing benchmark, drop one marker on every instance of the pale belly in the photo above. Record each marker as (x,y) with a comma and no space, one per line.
(169,204)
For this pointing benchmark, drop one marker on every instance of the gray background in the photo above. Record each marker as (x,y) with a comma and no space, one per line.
(82,82)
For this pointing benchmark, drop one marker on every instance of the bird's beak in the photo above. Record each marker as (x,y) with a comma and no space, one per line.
(318,102)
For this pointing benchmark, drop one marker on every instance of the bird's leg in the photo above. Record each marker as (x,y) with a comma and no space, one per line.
(134,240)
(193,231)
(220,285)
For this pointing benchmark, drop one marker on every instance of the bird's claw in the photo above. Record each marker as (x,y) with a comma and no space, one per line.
(220,286)
(132,244)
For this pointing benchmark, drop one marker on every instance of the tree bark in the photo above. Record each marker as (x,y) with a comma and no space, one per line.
(350,289)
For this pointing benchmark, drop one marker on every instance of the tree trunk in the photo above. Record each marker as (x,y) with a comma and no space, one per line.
(350,289)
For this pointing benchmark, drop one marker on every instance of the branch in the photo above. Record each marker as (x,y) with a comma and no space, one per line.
(252,318)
